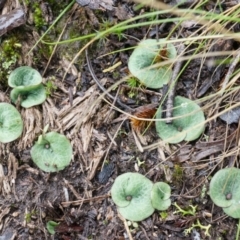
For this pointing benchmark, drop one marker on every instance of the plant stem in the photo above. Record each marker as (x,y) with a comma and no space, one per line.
(53,24)
(124,106)
(238,229)
(172,85)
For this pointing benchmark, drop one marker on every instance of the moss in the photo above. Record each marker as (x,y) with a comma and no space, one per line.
(27,2)
(9,55)
(163,215)
(58,6)
(29,215)
(177,174)
(38,18)
(50,87)
(116,75)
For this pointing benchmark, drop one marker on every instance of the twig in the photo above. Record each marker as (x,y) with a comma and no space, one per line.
(126,226)
(109,148)
(75,193)
(218,46)
(227,77)
(172,85)
(70,94)
(144,90)
(101,87)
(157,30)
(231,70)
(144,231)
(78,202)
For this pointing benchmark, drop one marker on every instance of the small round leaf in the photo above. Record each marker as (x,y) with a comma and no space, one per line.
(188,115)
(144,56)
(225,190)
(11,124)
(52,152)
(160,196)
(24,76)
(29,96)
(131,192)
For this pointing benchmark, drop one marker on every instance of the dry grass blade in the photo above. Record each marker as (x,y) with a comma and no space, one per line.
(81,111)
(7,181)
(33,125)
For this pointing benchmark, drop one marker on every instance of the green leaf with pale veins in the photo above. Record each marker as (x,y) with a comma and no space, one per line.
(188,123)
(29,96)
(131,192)
(225,191)
(143,58)
(24,76)
(52,152)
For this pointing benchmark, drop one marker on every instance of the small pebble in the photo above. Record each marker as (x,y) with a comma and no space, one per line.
(106,173)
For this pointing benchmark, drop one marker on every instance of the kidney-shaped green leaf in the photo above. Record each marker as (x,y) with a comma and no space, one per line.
(188,125)
(131,192)
(225,190)
(160,195)
(144,56)
(52,152)
(11,124)
(29,96)
(24,76)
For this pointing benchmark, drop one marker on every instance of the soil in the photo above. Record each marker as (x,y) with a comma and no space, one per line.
(104,143)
